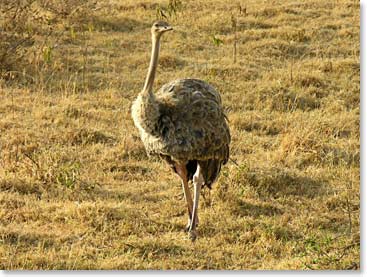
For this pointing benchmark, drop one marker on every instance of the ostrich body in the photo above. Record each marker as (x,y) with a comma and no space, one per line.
(183,123)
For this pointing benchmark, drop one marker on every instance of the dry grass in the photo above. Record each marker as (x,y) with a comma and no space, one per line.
(78,192)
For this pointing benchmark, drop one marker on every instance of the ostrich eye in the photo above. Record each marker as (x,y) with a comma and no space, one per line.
(156,25)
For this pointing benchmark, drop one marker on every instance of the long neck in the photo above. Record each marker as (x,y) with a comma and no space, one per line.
(148,86)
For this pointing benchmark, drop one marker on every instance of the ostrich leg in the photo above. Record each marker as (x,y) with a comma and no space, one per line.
(182,172)
(198,181)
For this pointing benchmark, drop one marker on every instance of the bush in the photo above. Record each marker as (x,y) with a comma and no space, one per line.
(16,35)
(25,23)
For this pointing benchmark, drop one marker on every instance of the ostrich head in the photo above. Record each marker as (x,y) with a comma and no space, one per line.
(159,27)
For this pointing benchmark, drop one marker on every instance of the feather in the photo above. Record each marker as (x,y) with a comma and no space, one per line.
(191,124)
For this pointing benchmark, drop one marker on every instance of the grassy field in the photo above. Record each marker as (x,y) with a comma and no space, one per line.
(77,190)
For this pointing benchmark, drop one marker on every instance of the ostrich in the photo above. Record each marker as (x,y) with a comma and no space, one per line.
(183,123)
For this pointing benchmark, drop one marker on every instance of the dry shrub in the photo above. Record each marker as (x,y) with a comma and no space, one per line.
(16,35)
(25,23)
(72,10)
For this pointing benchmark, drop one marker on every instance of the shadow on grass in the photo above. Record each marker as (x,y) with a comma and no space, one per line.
(27,239)
(276,182)
(119,24)
(243,208)
(133,196)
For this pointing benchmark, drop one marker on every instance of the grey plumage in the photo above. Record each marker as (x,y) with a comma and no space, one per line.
(184,123)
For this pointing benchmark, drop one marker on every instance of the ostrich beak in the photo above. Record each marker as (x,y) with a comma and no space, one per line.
(168,28)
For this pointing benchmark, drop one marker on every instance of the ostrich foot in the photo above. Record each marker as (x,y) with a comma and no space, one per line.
(193,235)
(187,228)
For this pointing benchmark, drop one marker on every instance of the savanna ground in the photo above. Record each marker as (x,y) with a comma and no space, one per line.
(77,190)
